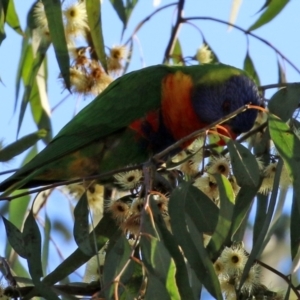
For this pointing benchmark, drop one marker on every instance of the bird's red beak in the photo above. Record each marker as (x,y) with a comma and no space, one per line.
(225,132)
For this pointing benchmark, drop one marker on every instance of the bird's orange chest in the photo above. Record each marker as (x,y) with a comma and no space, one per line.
(177,110)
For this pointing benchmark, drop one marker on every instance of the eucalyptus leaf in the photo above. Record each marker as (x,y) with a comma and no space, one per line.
(15,238)
(57,33)
(250,69)
(93,8)
(221,235)
(115,261)
(12,18)
(284,102)
(33,247)
(16,148)
(81,226)
(244,165)
(273,8)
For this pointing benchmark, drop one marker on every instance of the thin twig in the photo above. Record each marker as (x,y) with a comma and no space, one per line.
(139,26)
(248,33)
(173,37)
(281,275)
(273,86)
(67,182)
(9,171)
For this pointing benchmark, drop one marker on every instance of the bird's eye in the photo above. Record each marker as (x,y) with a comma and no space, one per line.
(226,106)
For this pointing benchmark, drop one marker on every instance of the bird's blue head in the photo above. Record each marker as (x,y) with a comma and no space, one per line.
(213,102)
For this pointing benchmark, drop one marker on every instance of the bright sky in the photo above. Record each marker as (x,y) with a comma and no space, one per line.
(229,45)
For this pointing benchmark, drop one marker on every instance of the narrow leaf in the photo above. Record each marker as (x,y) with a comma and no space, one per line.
(57,33)
(12,18)
(119,7)
(244,164)
(201,209)
(33,246)
(81,226)
(46,244)
(221,234)
(105,229)
(235,7)
(250,69)
(159,262)
(115,261)
(93,8)
(25,64)
(21,145)
(3,11)
(244,200)
(294,228)
(257,247)
(15,238)
(288,146)
(17,210)
(156,289)
(29,80)
(281,73)
(179,228)
(273,9)
(124,12)
(284,102)
(176,55)
(182,276)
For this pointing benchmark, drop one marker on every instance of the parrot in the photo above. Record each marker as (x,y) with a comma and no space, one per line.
(138,115)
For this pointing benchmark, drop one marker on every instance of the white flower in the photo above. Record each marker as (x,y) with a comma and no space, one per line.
(204,55)
(129,180)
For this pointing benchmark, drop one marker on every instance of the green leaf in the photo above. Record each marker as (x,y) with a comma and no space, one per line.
(21,145)
(199,263)
(176,55)
(284,102)
(281,73)
(294,227)
(258,245)
(215,58)
(274,7)
(81,226)
(25,64)
(57,33)
(124,12)
(12,18)
(221,234)
(288,147)
(155,289)
(115,260)
(15,238)
(46,243)
(119,7)
(93,8)
(250,69)
(17,209)
(260,215)
(244,165)
(33,246)
(201,209)
(105,229)
(3,10)
(243,203)
(159,263)
(41,115)
(182,276)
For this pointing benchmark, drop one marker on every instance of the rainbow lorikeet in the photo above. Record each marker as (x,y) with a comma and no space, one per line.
(138,115)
